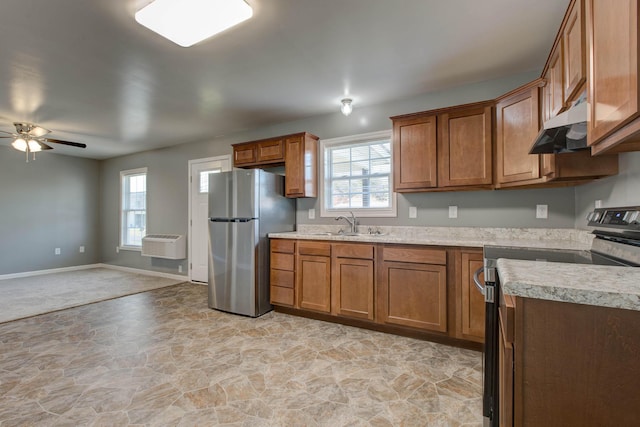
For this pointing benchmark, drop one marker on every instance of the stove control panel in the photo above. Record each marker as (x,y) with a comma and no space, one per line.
(627,218)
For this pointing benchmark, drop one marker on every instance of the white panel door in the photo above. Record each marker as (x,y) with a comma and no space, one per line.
(198,213)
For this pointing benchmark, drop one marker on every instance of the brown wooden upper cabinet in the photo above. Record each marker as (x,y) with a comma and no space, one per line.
(298,154)
(574,51)
(613,122)
(553,90)
(445,149)
(517,125)
(300,165)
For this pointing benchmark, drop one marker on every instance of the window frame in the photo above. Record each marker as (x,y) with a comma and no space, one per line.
(123,175)
(326,144)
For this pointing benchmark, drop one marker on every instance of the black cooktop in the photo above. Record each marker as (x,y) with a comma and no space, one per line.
(550,255)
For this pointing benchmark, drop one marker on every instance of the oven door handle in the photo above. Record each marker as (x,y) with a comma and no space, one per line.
(476,280)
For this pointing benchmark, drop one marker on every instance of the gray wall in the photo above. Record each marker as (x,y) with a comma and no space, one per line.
(48,203)
(620,190)
(168,175)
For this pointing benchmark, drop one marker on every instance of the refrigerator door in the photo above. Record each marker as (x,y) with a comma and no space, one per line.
(234,194)
(232,266)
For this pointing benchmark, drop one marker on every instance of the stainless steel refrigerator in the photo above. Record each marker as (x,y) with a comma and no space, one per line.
(244,206)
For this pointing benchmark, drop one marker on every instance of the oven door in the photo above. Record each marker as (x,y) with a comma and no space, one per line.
(490,362)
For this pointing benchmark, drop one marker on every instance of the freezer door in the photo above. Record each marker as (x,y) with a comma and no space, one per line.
(233,194)
(232,266)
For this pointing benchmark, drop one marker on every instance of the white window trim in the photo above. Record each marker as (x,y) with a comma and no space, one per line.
(366,212)
(124,173)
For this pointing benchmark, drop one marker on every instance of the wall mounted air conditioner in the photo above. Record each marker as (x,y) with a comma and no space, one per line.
(169,246)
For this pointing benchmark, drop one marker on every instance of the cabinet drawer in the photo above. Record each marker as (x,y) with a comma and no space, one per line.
(271,151)
(282,261)
(353,251)
(282,278)
(281,296)
(314,248)
(287,246)
(418,255)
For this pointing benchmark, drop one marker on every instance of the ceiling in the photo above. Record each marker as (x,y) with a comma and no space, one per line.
(87,71)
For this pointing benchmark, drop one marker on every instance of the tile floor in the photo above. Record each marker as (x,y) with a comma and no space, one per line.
(163,358)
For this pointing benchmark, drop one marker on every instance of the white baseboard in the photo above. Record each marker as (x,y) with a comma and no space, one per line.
(145,272)
(88,266)
(49,271)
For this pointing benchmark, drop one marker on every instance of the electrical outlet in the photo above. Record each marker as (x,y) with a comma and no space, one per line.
(598,204)
(413,212)
(179,269)
(453,212)
(81,250)
(56,251)
(542,211)
(312,214)
(117,249)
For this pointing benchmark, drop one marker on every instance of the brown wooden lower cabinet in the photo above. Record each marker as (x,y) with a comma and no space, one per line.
(314,276)
(470,305)
(353,281)
(408,289)
(568,365)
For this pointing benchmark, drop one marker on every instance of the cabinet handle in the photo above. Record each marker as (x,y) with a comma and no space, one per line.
(476,280)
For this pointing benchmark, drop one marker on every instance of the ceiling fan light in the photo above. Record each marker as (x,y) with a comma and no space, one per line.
(34,146)
(19,144)
(187,22)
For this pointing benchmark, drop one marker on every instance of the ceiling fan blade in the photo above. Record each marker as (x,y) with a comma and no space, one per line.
(12,137)
(58,141)
(44,146)
(8,133)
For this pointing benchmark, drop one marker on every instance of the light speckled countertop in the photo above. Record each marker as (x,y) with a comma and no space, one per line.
(473,237)
(616,287)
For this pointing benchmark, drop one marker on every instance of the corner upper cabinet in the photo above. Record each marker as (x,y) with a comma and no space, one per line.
(553,90)
(300,164)
(574,51)
(613,75)
(298,154)
(517,126)
(414,152)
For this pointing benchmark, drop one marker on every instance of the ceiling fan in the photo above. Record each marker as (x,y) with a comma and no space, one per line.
(30,139)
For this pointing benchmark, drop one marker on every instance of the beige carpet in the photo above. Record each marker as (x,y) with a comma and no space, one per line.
(31,296)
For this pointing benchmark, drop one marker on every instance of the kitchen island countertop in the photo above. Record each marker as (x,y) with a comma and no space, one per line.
(605,286)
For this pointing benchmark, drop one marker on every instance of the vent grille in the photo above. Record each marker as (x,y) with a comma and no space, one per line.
(168,246)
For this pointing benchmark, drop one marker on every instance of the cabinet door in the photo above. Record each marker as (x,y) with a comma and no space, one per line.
(554,87)
(313,270)
(472,301)
(573,38)
(415,295)
(353,288)
(517,124)
(505,384)
(270,151)
(414,153)
(464,148)
(613,65)
(300,166)
(244,154)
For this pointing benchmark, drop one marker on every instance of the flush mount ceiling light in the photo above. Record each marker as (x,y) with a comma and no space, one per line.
(186,22)
(346,107)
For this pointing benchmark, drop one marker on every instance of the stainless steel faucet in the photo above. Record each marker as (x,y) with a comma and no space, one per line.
(353,222)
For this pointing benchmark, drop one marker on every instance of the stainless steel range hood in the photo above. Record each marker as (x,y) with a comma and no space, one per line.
(564,133)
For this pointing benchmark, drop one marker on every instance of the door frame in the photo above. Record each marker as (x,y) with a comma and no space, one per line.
(190,164)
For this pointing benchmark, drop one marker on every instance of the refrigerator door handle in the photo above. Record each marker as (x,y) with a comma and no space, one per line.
(231,219)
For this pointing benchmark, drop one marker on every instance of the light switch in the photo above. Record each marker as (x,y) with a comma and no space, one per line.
(312,214)
(542,211)
(453,212)
(57,251)
(413,212)
(81,249)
